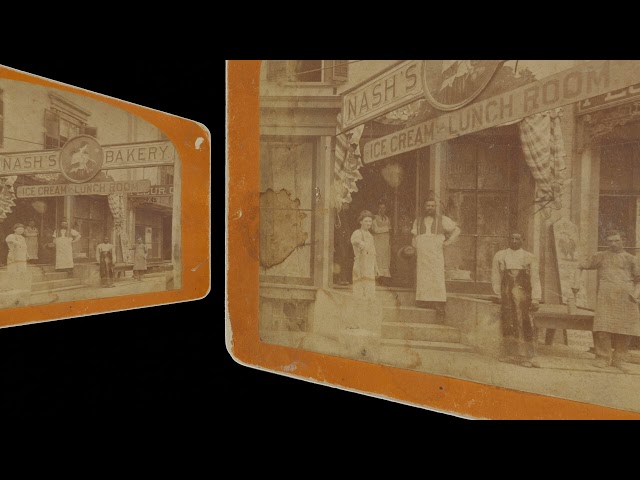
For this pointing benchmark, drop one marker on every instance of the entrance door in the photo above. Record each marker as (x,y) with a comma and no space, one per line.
(396,181)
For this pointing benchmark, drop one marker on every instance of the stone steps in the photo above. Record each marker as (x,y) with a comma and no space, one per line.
(425,345)
(420,331)
(48,276)
(409,315)
(55,284)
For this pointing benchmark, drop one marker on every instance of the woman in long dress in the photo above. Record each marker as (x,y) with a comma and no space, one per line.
(62,240)
(381,229)
(18,252)
(31,237)
(139,259)
(365,268)
(104,256)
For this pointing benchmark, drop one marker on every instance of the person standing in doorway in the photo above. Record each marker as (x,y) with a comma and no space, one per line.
(617,317)
(431,233)
(18,251)
(515,278)
(381,229)
(31,237)
(364,265)
(104,256)
(139,259)
(62,240)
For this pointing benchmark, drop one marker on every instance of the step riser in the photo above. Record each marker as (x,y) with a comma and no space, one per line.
(460,349)
(39,287)
(416,333)
(47,277)
(409,315)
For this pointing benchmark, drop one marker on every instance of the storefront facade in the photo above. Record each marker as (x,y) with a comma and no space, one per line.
(36,124)
(539,149)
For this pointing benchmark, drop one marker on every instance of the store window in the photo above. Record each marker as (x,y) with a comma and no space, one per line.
(619,206)
(287,183)
(90,219)
(149,226)
(482,199)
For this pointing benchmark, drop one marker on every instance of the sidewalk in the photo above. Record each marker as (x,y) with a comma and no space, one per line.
(124,286)
(565,372)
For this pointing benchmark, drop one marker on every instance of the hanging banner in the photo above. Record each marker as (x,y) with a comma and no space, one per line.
(583,81)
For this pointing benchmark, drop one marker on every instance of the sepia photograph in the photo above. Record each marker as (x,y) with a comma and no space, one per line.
(472,219)
(89,199)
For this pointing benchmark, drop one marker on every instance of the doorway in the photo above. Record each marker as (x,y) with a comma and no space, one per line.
(398,182)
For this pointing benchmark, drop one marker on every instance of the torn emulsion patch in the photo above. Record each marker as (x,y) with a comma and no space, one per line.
(281,228)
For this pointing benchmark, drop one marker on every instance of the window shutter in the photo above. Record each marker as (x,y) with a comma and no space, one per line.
(339,70)
(89,130)
(277,70)
(51,129)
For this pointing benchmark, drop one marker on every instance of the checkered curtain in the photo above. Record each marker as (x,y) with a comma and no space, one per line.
(117,207)
(7,196)
(348,162)
(543,146)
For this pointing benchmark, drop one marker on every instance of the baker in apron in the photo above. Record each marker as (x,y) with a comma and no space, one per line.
(430,234)
(62,240)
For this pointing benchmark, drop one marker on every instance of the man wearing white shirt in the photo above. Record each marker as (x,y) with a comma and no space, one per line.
(431,233)
(515,278)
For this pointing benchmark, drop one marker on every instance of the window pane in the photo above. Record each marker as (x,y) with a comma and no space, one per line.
(493,167)
(51,124)
(487,248)
(459,259)
(298,263)
(81,209)
(461,207)
(97,209)
(493,214)
(308,70)
(289,167)
(616,168)
(461,166)
(618,213)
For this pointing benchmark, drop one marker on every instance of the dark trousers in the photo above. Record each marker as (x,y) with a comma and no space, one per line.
(605,342)
(515,314)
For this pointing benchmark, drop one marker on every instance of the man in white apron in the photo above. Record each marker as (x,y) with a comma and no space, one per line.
(431,233)
(62,240)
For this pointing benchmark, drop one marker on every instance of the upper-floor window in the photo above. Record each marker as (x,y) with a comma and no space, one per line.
(65,120)
(308,71)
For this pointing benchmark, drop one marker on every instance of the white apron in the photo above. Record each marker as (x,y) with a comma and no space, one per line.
(430,286)
(64,253)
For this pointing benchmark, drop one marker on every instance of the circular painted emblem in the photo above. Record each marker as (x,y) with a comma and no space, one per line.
(81,159)
(451,84)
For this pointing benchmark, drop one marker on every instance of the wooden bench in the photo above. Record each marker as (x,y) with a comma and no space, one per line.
(556,317)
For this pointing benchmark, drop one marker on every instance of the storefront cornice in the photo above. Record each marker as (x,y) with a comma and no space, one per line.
(61,103)
(329,102)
